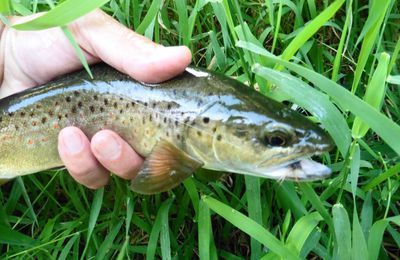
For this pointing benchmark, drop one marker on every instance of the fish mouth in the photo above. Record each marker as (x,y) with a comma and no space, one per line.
(300,169)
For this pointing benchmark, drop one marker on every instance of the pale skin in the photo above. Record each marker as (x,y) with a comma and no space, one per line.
(28,59)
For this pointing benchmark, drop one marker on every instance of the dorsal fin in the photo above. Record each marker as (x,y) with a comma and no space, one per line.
(165,168)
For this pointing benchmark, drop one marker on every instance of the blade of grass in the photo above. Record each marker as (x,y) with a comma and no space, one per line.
(310,29)
(150,16)
(61,15)
(204,233)
(371,27)
(94,215)
(250,227)
(342,232)
(374,94)
(108,241)
(254,209)
(376,235)
(155,231)
(382,177)
(359,247)
(302,230)
(9,236)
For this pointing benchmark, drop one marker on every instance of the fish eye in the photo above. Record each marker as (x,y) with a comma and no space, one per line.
(276,138)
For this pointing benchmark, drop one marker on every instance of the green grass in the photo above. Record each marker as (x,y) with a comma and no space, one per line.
(337,60)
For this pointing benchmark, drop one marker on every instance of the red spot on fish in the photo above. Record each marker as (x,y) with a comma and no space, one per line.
(34,123)
(30,141)
(56,126)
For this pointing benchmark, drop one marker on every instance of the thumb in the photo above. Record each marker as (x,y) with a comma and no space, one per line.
(102,36)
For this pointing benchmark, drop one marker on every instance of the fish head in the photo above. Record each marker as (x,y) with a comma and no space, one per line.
(262,137)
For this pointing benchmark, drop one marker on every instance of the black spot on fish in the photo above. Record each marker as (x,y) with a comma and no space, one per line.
(31,114)
(73,109)
(66,115)
(178,136)
(68,99)
(145,104)
(51,113)
(167,134)
(38,106)
(154,105)
(206,120)
(295,166)
(143,120)
(193,123)
(44,120)
(132,104)
(92,109)
(150,118)
(11,114)
(199,103)
(169,106)
(210,93)
(120,98)
(56,103)
(115,105)
(127,105)
(59,116)
(16,127)
(106,101)
(214,129)
(101,109)
(198,133)
(22,114)
(174,91)
(219,137)
(176,122)
(1,119)
(95,97)
(76,93)
(80,104)
(121,111)
(165,120)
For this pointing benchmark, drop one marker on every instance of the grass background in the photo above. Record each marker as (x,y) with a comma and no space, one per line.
(336,61)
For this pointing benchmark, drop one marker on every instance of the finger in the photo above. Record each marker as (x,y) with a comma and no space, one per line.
(128,51)
(74,150)
(115,154)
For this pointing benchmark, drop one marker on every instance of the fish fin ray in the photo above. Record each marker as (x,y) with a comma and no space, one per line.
(165,168)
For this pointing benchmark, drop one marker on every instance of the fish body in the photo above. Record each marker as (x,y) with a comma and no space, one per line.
(197,119)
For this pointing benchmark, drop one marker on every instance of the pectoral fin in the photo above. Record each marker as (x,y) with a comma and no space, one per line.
(165,168)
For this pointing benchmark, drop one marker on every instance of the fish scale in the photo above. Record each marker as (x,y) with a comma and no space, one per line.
(198,119)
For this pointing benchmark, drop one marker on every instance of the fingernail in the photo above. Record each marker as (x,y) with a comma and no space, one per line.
(72,141)
(108,148)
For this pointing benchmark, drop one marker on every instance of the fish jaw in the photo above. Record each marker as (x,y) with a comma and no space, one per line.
(301,169)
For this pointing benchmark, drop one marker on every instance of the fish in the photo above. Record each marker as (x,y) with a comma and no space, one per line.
(199,119)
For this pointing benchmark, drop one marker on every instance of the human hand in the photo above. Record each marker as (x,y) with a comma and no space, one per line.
(30,58)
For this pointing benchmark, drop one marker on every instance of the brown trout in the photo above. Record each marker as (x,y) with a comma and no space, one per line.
(198,119)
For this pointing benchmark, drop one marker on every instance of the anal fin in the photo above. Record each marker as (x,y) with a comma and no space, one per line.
(165,168)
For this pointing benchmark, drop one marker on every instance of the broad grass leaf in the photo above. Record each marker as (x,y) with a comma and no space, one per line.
(376,235)
(162,214)
(302,230)
(342,232)
(61,15)
(359,247)
(9,236)
(310,29)
(371,30)
(250,227)
(374,94)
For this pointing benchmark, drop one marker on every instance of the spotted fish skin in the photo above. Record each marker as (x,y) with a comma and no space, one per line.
(213,119)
